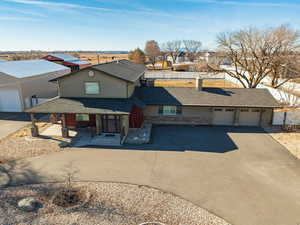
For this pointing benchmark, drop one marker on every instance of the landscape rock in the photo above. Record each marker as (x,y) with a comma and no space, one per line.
(29,204)
(4,179)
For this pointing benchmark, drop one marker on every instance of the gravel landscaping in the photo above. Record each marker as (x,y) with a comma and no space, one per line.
(21,145)
(109,204)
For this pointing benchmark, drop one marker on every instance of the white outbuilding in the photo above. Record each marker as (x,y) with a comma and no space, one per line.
(25,83)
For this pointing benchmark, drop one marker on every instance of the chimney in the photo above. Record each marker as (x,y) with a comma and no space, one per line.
(199,83)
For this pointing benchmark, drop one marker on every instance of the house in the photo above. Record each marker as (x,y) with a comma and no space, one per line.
(67,60)
(25,83)
(113,97)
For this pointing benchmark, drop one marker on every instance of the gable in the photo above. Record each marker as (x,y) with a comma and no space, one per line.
(7,79)
(74,86)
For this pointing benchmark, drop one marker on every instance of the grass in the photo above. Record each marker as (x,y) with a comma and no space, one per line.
(185,83)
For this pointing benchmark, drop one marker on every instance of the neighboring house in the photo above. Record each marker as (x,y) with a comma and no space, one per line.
(112,97)
(26,82)
(67,60)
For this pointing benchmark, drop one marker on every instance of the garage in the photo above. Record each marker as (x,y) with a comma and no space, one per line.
(223,116)
(10,100)
(249,117)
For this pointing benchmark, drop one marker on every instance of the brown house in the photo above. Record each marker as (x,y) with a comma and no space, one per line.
(111,98)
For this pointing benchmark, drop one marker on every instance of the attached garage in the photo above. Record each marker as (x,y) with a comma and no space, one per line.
(209,106)
(223,116)
(10,100)
(249,117)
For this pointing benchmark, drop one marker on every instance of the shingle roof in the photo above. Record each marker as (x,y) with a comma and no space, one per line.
(235,97)
(86,105)
(26,68)
(122,69)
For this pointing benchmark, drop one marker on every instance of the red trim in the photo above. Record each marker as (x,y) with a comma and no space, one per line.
(52,58)
(136,117)
(71,121)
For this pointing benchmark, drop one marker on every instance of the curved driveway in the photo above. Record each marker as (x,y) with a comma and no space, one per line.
(240,174)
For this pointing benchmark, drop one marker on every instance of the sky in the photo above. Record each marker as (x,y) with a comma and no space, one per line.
(126,24)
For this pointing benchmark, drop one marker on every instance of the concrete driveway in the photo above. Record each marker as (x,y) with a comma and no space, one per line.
(11,122)
(240,174)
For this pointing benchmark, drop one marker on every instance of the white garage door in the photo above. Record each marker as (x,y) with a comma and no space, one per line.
(9,100)
(249,117)
(223,116)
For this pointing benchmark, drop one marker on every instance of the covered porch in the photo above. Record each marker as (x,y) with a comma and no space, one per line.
(100,121)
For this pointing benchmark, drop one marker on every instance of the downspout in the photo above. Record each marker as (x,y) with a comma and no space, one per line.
(21,97)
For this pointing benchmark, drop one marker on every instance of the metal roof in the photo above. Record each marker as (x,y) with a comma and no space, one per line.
(79,62)
(65,57)
(69,58)
(27,68)
(231,97)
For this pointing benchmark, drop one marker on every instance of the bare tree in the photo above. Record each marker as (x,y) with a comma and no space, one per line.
(192,48)
(172,48)
(260,53)
(152,50)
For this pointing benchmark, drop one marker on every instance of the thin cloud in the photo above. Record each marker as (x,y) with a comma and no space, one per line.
(25,12)
(262,4)
(71,6)
(14,18)
(61,5)
(57,4)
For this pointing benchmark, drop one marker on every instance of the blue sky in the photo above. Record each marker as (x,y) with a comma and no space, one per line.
(126,24)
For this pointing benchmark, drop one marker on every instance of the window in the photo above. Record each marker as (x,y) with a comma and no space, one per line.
(82,117)
(170,110)
(218,110)
(255,110)
(92,88)
(229,110)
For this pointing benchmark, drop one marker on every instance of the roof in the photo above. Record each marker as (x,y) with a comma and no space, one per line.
(232,97)
(122,69)
(69,58)
(65,57)
(86,105)
(26,68)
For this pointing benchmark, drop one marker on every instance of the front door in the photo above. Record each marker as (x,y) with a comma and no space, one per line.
(110,124)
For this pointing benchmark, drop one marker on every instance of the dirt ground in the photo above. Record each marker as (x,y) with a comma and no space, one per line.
(20,144)
(290,140)
(94,58)
(185,83)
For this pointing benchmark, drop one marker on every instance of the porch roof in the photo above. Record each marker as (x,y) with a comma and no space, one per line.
(86,105)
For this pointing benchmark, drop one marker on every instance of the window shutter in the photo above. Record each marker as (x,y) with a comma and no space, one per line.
(178,110)
(160,109)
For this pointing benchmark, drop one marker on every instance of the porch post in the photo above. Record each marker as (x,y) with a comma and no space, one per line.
(124,124)
(64,128)
(34,128)
(260,116)
(236,117)
(98,124)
